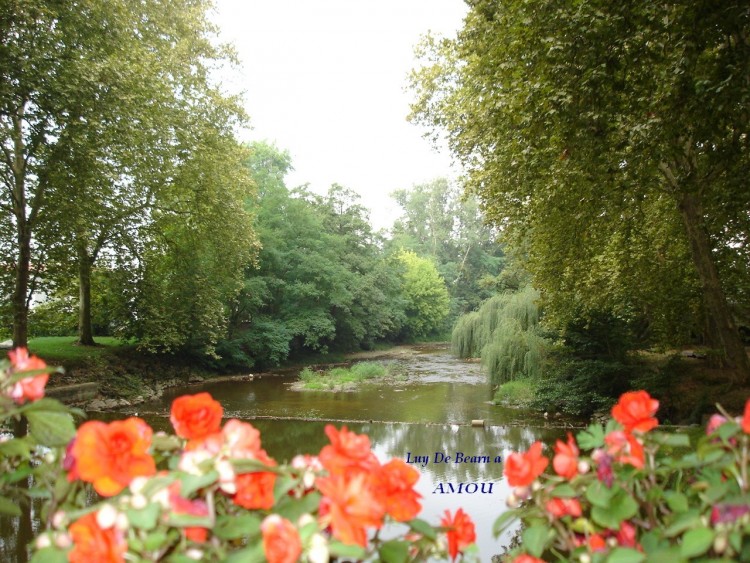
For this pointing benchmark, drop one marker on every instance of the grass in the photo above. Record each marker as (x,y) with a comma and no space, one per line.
(342,379)
(517,393)
(65,348)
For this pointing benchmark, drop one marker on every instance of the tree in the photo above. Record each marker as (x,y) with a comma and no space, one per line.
(610,141)
(427,299)
(94,99)
(438,222)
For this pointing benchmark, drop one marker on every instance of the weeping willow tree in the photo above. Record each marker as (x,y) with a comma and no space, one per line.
(505,334)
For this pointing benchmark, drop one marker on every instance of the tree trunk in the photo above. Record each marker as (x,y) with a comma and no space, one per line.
(85,332)
(21,290)
(725,335)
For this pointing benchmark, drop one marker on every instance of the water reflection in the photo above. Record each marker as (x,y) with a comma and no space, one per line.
(426,414)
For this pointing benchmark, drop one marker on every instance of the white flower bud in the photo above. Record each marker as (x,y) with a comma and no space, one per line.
(194,553)
(318,552)
(106,516)
(585,558)
(63,541)
(305,519)
(137,484)
(512,501)
(138,501)
(584,467)
(58,519)
(42,542)
(121,522)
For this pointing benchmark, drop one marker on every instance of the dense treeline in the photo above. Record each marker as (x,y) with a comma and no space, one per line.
(132,210)
(609,143)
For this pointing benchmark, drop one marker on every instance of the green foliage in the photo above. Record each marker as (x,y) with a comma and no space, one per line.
(425,294)
(661,497)
(505,333)
(440,222)
(518,393)
(609,141)
(580,387)
(321,280)
(346,379)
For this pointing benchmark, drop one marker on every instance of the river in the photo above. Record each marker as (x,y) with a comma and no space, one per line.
(423,418)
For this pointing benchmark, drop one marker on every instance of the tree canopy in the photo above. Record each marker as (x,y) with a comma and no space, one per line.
(609,141)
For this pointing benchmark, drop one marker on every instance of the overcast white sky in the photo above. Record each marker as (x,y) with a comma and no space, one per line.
(326,79)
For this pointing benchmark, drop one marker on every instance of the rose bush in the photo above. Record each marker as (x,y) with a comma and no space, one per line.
(636,494)
(210,492)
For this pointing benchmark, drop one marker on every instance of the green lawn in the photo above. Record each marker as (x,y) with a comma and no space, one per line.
(64,348)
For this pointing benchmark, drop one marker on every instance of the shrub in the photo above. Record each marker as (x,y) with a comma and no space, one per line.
(627,493)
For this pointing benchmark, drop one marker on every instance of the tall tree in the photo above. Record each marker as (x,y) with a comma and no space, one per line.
(94,96)
(611,139)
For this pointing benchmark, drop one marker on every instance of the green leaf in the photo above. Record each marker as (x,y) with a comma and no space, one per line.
(503,521)
(564,491)
(671,439)
(50,555)
(292,508)
(9,507)
(155,540)
(599,495)
(51,428)
(394,552)
(592,437)
(165,442)
(683,522)
(44,404)
(230,527)
(424,528)
(535,539)
(252,554)
(189,520)
(17,447)
(338,549)
(676,501)
(145,518)
(728,430)
(696,542)
(625,555)
(192,483)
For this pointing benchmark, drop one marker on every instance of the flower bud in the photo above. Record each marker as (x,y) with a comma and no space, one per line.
(512,501)
(106,516)
(194,553)
(584,467)
(138,502)
(63,541)
(585,558)
(137,484)
(720,543)
(121,522)
(318,552)
(58,519)
(522,492)
(42,541)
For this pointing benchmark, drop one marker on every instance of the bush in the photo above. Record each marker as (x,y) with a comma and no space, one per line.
(580,387)
(518,393)
(629,494)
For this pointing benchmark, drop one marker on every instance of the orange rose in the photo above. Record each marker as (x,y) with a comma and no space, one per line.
(241,438)
(255,490)
(523,469)
(281,542)
(746,418)
(559,507)
(111,455)
(565,461)
(348,452)
(196,416)
(28,388)
(394,486)
(635,411)
(92,543)
(349,506)
(461,533)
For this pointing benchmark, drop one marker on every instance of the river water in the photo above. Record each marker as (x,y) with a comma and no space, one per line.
(424,417)
(427,415)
